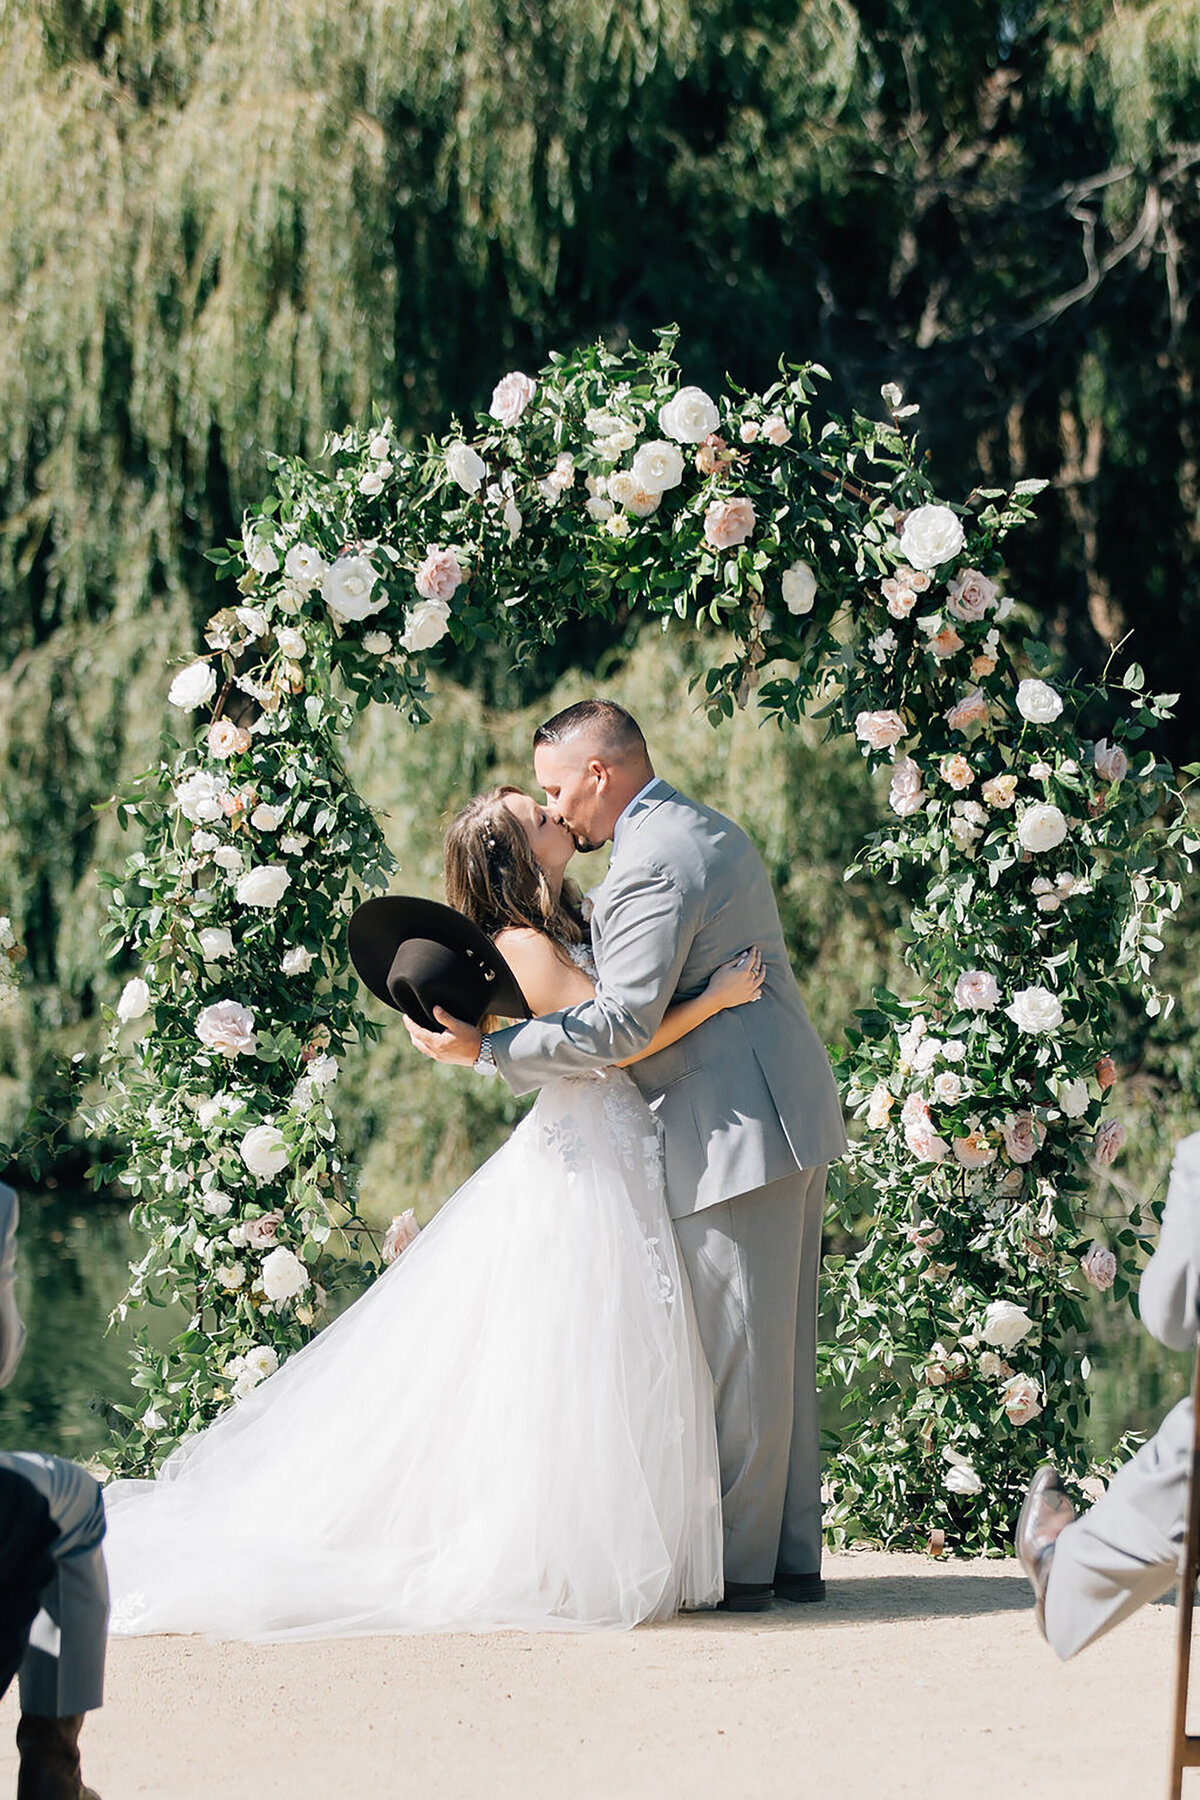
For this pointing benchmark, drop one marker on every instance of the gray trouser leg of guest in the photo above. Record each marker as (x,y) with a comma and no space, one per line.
(62,1672)
(752,1262)
(1126,1549)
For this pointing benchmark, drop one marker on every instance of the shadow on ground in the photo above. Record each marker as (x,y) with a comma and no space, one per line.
(876,1599)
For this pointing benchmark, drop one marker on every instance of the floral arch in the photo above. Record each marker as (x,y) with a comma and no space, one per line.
(848,588)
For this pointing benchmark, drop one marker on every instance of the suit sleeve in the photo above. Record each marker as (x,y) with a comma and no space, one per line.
(1167,1297)
(647,934)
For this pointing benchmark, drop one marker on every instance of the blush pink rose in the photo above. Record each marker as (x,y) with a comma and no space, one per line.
(976,990)
(982,665)
(924,1236)
(914,1111)
(900,597)
(1099,1266)
(956,772)
(439,575)
(711,453)
(970,710)
(728,522)
(906,795)
(227,739)
(925,1143)
(776,430)
(510,396)
(974,1151)
(970,596)
(1111,762)
(399,1235)
(1106,1072)
(258,1233)
(1109,1142)
(945,643)
(1000,791)
(1023,1136)
(879,730)
(1022,1398)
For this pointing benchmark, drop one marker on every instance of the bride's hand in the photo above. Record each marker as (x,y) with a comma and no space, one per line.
(737,982)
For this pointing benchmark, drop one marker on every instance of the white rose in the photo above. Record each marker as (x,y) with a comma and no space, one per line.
(216,943)
(1035,1009)
(264,1152)
(266,818)
(260,551)
(510,396)
(321,1071)
(961,1478)
(931,535)
(198,797)
(1005,1324)
(1041,827)
(1074,1098)
(283,1274)
(689,417)
(193,686)
(291,642)
(372,482)
(292,845)
(297,960)
(977,990)
(466,467)
(232,1275)
(798,585)
(227,1026)
(263,885)
(218,1204)
(152,1420)
(424,624)
(599,508)
(134,1001)
(262,1361)
(347,588)
(1038,702)
(304,566)
(657,467)
(228,858)
(376,643)
(380,446)
(879,730)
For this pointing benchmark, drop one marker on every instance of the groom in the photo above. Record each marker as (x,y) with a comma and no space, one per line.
(747,1102)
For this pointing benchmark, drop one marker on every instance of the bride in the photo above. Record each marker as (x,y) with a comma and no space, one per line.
(513,1427)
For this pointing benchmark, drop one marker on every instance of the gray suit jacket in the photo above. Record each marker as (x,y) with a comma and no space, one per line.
(1169,1294)
(747,1098)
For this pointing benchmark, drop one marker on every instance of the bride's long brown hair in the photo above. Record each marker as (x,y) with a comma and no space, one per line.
(493,876)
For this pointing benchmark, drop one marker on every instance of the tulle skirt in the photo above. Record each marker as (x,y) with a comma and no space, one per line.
(512,1428)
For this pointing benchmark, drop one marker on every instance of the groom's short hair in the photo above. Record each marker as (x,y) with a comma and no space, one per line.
(617,732)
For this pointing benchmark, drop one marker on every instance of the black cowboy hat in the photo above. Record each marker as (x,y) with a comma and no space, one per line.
(417,954)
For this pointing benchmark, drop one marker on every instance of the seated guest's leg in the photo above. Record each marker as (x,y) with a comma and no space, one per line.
(1126,1549)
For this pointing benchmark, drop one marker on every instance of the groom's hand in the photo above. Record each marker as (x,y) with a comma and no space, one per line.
(457,1043)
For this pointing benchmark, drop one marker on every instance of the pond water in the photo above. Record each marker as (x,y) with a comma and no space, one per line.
(72,1266)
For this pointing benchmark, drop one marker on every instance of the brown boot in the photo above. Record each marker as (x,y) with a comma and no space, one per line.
(50,1759)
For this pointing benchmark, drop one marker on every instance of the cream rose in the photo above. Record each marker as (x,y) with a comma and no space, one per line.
(264,1152)
(798,585)
(134,1001)
(1005,1324)
(226,739)
(689,416)
(1000,791)
(969,596)
(466,467)
(879,730)
(1035,1009)
(264,885)
(728,522)
(216,943)
(906,795)
(440,575)
(944,643)
(402,1232)
(1074,1098)
(1038,702)
(510,396)
(266,818)
(291,642)
(296,960)
(974,1151)
(227,1026)
(657,466)
(931,535)
(424,625)
(347,587)
(193,686)
(956,772)
(880,1105)
(283,1275)
(1041,827)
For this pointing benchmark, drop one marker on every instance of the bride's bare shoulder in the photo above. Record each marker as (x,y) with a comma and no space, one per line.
(548,978)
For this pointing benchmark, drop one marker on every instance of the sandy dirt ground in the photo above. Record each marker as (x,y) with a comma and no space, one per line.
(914,1678)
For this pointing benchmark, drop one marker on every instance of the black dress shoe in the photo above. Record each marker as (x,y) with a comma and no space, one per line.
(798,1587)
(746,1597)
(1046,1512)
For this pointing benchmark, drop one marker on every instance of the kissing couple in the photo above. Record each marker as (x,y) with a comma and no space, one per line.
(585,1395)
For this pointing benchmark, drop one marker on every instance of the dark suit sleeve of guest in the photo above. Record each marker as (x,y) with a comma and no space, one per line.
(647,932)
(1170,1284)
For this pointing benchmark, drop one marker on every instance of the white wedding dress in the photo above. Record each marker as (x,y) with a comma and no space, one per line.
(512,1428)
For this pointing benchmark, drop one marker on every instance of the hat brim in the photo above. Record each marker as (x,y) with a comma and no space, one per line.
(380,926)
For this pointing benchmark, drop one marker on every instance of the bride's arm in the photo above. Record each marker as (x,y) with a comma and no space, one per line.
(551,984)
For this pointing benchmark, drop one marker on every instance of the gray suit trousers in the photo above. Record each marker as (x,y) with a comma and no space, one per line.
(62,1672)
(752,1262)
(1128,1547)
